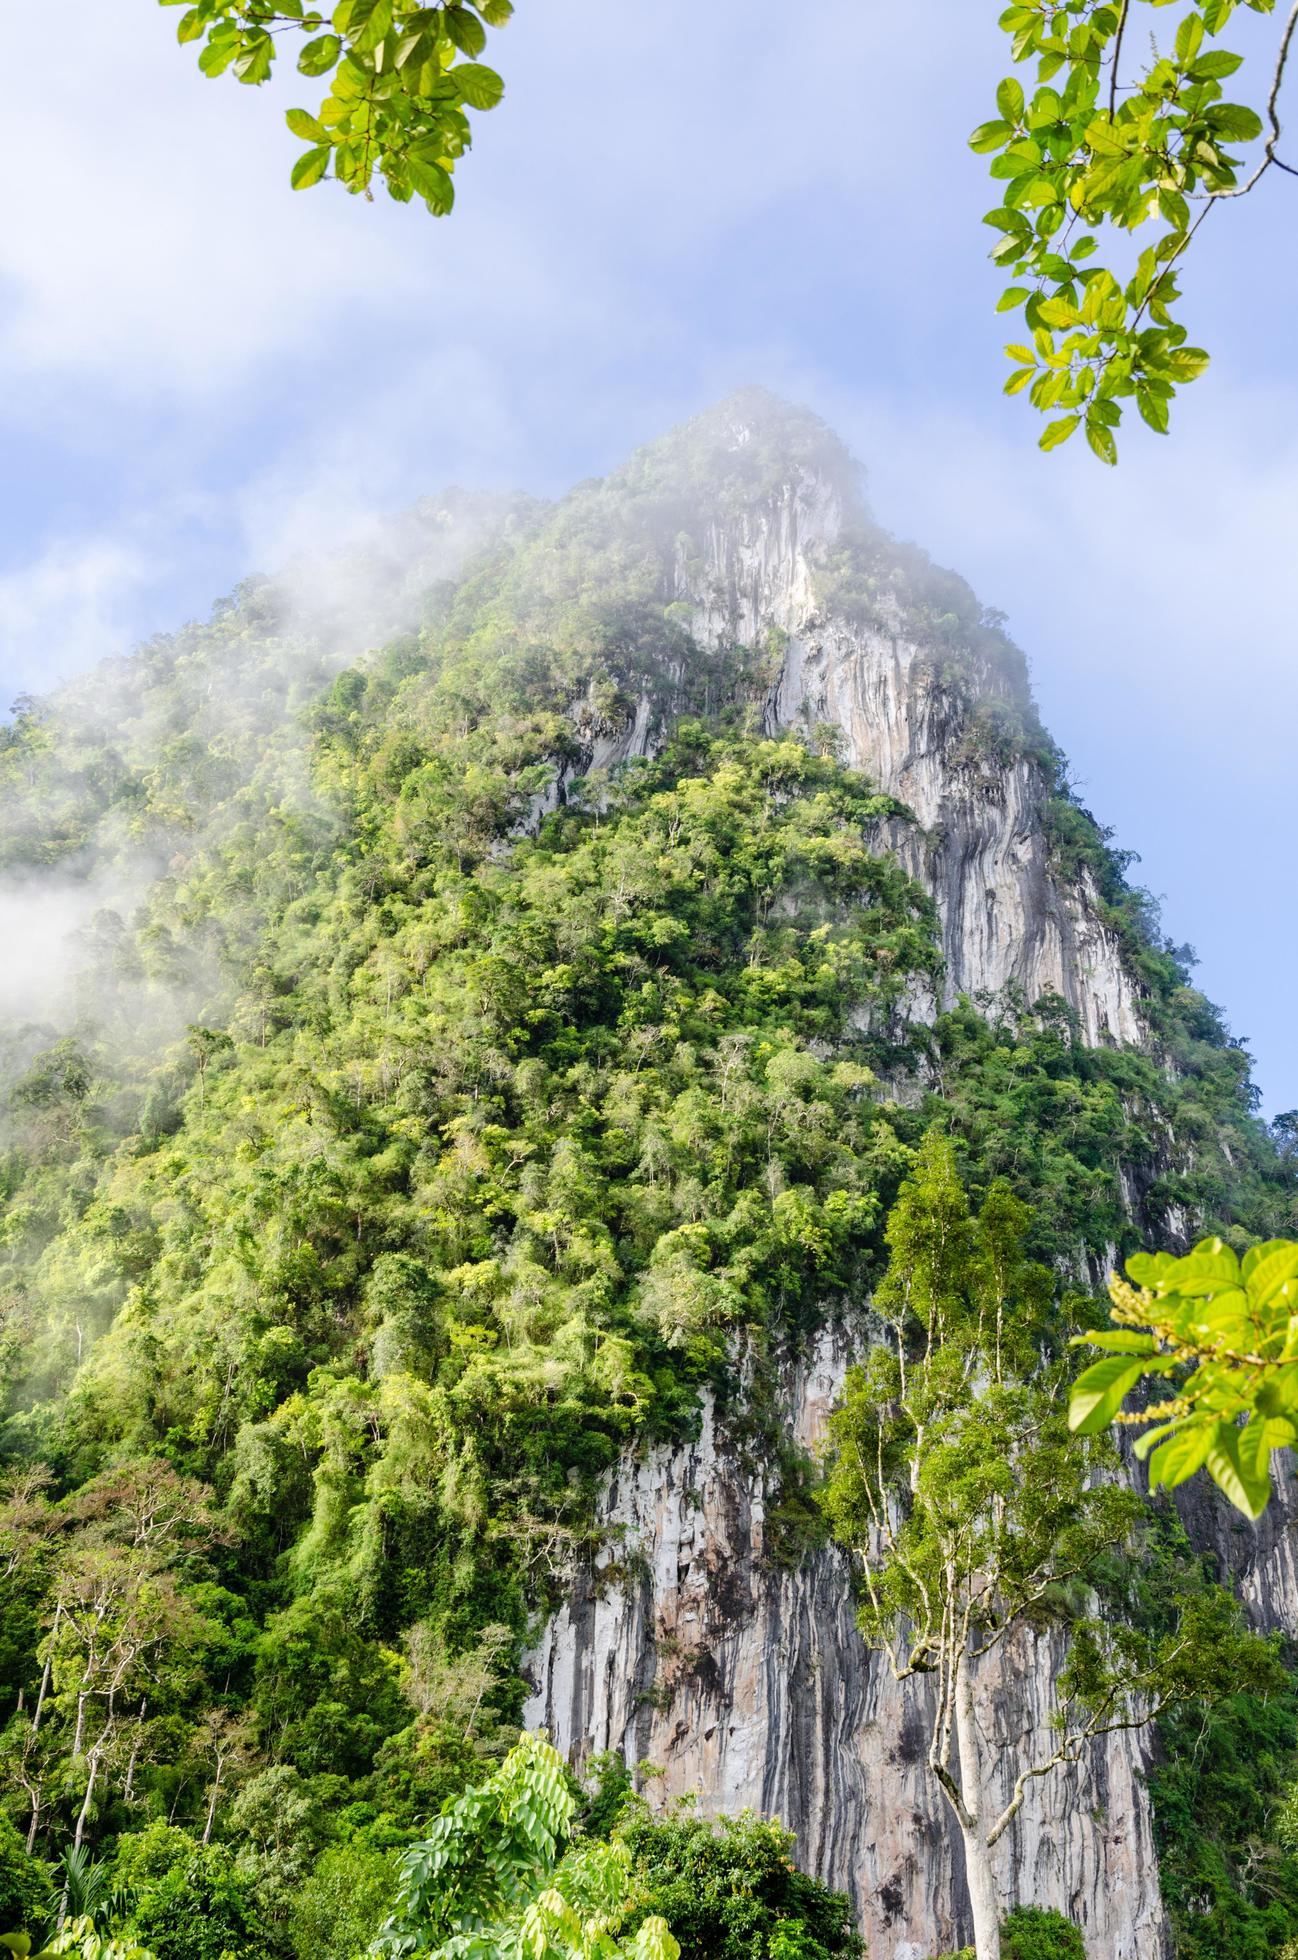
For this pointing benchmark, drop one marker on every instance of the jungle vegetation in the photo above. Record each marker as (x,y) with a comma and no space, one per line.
(445,1085)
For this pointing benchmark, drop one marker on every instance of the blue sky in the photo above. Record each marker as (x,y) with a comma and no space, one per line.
(201,374)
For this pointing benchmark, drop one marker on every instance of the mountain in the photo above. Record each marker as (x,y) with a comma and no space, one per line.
(454,1093)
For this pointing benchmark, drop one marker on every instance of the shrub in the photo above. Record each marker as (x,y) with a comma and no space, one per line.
(202,1909)
(26,1888)
(735,1893)
(343,1903)
(1034,1933)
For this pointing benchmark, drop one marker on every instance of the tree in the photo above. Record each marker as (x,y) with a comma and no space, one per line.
(26,1889)
(733,1892)
(1222,1332)
(500,1877)
(976,1520)
(1106,144)
(401,77)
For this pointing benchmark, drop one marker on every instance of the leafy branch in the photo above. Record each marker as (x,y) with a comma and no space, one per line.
(401,77)
(1093,152)
(1226,1329)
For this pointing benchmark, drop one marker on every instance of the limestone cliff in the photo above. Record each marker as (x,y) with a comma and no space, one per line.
(688,1647)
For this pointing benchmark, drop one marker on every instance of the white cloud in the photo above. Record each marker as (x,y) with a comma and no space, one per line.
(71,605)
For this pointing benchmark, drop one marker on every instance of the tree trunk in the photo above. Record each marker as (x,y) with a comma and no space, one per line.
(47,1670)
(90,1791)
(129,1791)
(984,1903)
(36,1818)
(212,1801)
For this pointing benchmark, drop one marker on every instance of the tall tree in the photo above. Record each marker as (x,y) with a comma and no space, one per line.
(977,1521)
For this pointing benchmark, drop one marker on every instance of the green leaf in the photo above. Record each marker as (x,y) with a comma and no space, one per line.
(465,30)
(1246,1491)
(364,22)
(495,12)
(1153,409)
(1270,1274)
(1259,1436)
(432,183)
(191,26)
(1009,99)
(1181,1455)
(1118,1340)
(1019,380)
(1216,65)
(253,65)
(1189,38)
(1233,122)
(1051,438)
(320,55)
(1098,1394)
(311,167)
(305,125)
(480,87)
(990,136)
(1012,296)
(1101,441)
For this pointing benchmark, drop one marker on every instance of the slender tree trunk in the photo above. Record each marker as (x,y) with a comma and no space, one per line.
(984,1904)
(80,1733)
(47,1670)
(211,1807)
(128,1791)
(36,1818)
(90,1791)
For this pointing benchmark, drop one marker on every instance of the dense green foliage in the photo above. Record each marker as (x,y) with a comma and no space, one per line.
(1032,1933)
(1222,1334)
(442,1092)
(401,77)
(734,1893)
(1110,140)
(1225,1782)
(26,1890)
(503,1874)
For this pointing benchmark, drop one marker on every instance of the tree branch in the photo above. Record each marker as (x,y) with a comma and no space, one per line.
(1273,114)
(1117,56)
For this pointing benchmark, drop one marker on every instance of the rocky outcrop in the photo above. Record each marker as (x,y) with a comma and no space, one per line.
(689,1649)
(981,846)
(690,1646)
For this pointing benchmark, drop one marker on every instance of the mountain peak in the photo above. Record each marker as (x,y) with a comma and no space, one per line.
(750,445)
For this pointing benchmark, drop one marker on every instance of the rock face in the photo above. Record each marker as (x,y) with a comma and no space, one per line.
(688,1646)
(689,1649)
(983,851)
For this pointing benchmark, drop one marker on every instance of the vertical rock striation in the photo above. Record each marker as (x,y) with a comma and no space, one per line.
(689,1648)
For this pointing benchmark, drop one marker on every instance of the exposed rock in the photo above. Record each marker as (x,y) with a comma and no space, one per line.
(690,1650)
(688,1646)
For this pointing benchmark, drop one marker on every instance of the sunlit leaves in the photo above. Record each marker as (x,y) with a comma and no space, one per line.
(1226,1331)
(401,77)
(1123,129)
(496,1875)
